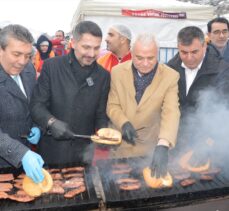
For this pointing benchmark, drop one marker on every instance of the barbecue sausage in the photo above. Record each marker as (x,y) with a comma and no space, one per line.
(130,186)
(121,168)
(206,177)
(187,182)
(182,176)
(5,187)
(3,195)
(74,192)
(6,177)
(126,180)
(21,196)
(72,169)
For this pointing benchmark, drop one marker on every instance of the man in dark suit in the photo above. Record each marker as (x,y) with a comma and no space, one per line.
(71,97)
(199,67)
(17,79)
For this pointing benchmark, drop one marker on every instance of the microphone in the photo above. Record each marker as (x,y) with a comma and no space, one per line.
(90,81)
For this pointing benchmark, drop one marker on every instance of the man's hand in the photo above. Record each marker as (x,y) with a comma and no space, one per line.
(34,135)
(129,133)
(61,130)
(159,164)
(32,164)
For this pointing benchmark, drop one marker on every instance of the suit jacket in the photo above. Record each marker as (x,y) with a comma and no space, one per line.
(157,112)
(206,78)
(15,118)
(83,106)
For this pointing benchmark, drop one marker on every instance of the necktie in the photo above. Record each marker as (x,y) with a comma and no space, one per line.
(16,80)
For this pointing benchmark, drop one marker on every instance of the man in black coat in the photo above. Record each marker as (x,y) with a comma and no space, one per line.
(199,67)
(17,80)
(71,97)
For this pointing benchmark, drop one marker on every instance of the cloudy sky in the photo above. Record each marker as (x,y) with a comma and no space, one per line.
(45,16)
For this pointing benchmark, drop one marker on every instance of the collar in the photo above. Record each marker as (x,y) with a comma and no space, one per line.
(142,75)
(195,69)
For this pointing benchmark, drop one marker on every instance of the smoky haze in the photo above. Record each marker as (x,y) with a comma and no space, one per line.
(209,120)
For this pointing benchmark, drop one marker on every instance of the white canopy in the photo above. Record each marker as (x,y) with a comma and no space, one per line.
(108,12)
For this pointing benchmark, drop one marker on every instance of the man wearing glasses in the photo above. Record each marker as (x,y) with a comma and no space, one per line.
(218,33)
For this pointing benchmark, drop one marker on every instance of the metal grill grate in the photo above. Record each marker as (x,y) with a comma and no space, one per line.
(84,201)
(145,196)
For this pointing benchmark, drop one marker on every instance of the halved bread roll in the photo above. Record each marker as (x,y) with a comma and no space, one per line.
(36,189)
(184,163)
(154,182)
(107,136)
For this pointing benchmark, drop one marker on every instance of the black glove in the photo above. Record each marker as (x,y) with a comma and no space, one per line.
(61,130)
(159,164)
(129,133)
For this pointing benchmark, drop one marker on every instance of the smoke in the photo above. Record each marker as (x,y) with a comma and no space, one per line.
(208,120)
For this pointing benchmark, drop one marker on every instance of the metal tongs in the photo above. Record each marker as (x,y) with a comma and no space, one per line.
(100,139)
(106,136)
(95,138)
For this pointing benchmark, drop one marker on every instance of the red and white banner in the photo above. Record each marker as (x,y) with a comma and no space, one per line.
(151,13)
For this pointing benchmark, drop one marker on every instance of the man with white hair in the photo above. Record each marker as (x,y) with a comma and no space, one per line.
(143,105)
(118,44)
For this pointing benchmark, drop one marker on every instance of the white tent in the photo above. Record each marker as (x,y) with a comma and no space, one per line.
(164,23)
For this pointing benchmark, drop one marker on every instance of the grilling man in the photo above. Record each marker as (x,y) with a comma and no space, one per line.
(17,79)
(199,67)
(143,105)
(71,97)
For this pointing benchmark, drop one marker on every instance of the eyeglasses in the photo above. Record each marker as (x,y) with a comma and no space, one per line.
(218,32)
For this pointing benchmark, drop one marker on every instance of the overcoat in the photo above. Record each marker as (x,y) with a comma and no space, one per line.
(15,118)
(155,117)
(207,77)
(210,80)
(83,107)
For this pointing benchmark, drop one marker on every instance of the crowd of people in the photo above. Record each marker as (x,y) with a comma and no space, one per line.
(49,94)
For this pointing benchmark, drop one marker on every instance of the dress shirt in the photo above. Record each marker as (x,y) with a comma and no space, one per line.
(190,75)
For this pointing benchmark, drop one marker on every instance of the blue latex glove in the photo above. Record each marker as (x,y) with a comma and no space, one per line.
(32,164)
(34,135)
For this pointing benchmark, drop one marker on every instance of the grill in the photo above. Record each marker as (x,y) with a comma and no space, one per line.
(156,198)
(86,200)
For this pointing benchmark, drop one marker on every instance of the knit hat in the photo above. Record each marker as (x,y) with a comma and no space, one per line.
(123,30)
(45,43)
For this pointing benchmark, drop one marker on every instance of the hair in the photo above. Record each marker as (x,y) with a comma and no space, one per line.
(217,20)
(146,39)
(17,32)
(61,32)
(188,34)
(88,27)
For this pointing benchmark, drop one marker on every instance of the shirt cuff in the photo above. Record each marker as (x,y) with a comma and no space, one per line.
(163,142)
